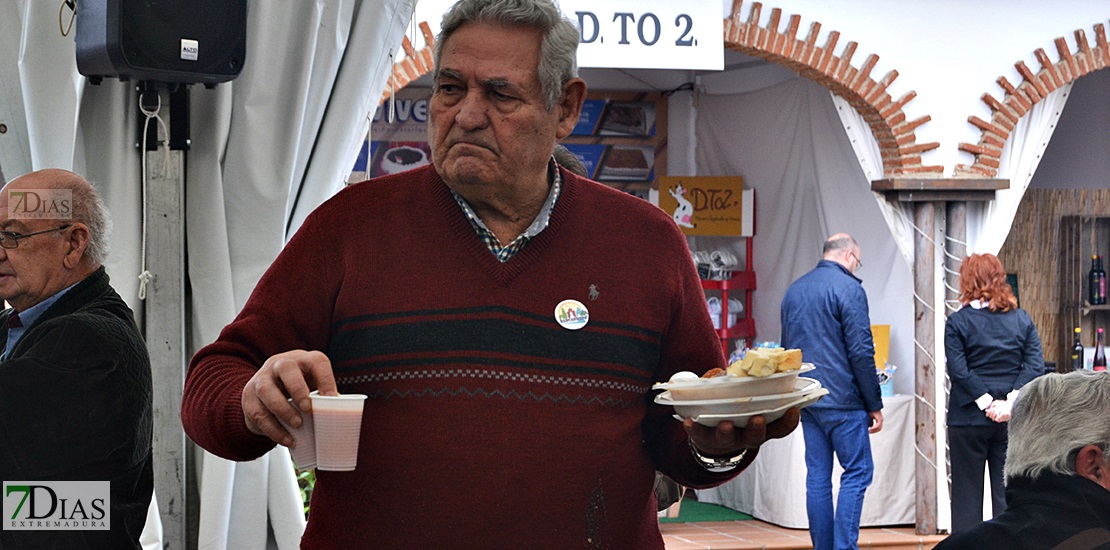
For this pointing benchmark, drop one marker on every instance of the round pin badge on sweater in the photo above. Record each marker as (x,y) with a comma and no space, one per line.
(571,314)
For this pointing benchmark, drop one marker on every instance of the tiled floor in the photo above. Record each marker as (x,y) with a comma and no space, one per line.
(755,534)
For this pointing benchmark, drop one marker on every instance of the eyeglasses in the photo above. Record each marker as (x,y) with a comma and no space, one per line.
(10,239)
(859,262)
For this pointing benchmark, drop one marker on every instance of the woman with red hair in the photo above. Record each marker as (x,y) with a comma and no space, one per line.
(992,349)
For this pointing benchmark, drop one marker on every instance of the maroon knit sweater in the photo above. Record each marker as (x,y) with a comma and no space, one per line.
(488,425)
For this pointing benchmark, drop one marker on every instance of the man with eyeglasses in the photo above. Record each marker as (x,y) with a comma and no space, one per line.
(1057,469)
(825,314)
(75,379)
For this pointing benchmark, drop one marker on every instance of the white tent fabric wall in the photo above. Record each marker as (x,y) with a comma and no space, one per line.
(788,143)
(988,224)
(266,149)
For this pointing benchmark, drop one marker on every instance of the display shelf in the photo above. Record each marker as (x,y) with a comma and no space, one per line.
(740,280)
(1080,238)
(1087,308)
(743,283)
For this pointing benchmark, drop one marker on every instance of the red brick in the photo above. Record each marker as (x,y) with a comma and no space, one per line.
(754,15)
(989,162)
(978,168)
(814,30)
(1016,107)
(1066,56)
(897,105)
(987,127)
(766,36)
(1084,65)
(920,147)
(912,125)
(1030,92)
(881,104)
(830,47)
(993,140)
(849,75)
(1046,81)
(735,13)
(773,21)
(1031,78)
(777,44)
(426,32)
(904,139)
(1047,66)
(791,36)
(845,66)
(980,150)
(865,71)
(923,169)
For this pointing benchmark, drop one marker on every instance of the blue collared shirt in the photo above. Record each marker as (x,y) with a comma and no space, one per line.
(28,318)
(503,253)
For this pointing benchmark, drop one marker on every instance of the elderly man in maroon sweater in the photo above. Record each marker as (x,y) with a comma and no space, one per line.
(436,292)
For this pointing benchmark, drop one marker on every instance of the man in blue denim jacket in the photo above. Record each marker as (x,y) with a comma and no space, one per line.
(824,313)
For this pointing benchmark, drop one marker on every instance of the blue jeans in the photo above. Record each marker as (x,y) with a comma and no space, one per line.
(844,432)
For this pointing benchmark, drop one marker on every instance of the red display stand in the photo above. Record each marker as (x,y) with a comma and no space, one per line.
(743,283)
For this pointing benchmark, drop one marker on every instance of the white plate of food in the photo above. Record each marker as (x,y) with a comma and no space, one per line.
(730,386)
(738,405)
(741,419)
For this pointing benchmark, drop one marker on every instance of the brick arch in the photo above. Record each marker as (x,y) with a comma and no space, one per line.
(1034,87)
(901,154)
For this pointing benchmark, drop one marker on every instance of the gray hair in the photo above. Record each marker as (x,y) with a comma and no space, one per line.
(558,52)
(565,158)
(1054,416)
(89,209)
(845,242)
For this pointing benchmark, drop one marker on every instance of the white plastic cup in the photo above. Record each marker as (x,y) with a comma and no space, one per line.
(338,421)
(304,438)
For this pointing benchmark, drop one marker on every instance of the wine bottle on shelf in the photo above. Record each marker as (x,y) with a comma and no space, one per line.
(1101,283)
(1094,282)
(1100,353)
(1077,352)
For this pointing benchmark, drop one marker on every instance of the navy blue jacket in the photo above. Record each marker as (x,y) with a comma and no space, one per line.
(824,313)
(988,352)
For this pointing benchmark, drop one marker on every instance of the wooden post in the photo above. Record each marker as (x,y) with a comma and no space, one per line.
(930,214)
(925,216)
(165,330)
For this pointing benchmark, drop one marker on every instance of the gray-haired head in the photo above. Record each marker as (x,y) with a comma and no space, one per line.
(87,207)
(558,52)
(839,242)
(1054,416)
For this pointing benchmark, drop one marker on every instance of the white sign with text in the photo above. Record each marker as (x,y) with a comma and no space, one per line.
(633,34)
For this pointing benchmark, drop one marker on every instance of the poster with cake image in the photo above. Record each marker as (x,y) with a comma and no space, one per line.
(391,157)
(626,163)
(604,117)
(398,138)
(627,118)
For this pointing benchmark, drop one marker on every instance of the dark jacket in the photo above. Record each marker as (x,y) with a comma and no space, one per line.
(76,405)
(988,352)
(824,313)
(1042,514)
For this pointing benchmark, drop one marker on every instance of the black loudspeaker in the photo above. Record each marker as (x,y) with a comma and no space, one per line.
(171,41)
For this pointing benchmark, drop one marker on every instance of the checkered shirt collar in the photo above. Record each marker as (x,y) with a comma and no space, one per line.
(503,253)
